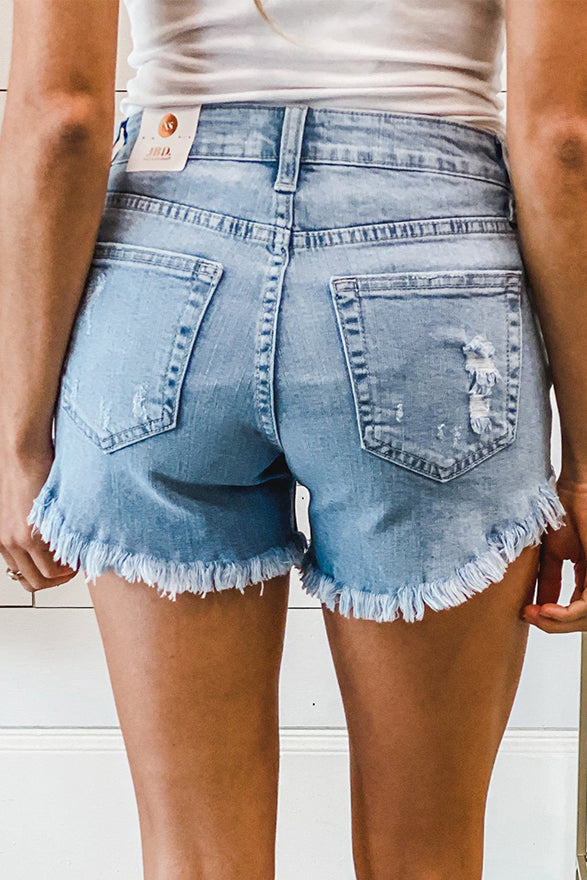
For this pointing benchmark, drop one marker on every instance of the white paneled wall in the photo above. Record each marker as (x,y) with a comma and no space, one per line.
(65,781)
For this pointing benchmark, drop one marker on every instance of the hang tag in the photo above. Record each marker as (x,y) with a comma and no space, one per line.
(164,140)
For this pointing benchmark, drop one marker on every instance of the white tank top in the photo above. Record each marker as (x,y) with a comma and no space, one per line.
(440,57)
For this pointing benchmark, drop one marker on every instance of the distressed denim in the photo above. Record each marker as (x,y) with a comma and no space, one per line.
(326,296)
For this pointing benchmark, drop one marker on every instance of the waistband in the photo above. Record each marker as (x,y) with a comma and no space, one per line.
(327,135)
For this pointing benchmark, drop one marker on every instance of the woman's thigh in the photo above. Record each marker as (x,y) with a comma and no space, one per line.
(195,683)
(426,704)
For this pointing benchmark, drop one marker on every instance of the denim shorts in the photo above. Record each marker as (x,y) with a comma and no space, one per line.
(332,297)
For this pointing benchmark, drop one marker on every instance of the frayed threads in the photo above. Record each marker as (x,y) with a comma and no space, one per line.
(410,601)
(479,354)
(170,578)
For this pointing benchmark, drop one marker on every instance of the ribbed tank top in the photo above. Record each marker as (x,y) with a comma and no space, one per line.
(440,57)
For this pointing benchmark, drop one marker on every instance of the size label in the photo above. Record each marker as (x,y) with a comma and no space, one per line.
(164,140)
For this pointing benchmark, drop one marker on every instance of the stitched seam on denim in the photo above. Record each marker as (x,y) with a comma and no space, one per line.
(366,405)
(520,354)
(412,460)
(335,160)
(199,305)
(148,427)
(480,279)
(240,227)
(432,467)
(355,359)
(430,119)
(108,253)
(213,151)
(193,302)
(269,233)
(385,283)
(173,399)
(158,259)
(198,154)
(402,230)
(392,166)
(88,430)
(342,337)
(515,378)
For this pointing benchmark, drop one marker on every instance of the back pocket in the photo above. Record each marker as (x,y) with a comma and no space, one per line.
(135,328)
(434,360)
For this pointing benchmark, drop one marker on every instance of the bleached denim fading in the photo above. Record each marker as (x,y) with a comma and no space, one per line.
(326,296)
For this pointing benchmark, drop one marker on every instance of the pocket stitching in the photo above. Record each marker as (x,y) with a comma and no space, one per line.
(201,269)
(508,281)
(192,305)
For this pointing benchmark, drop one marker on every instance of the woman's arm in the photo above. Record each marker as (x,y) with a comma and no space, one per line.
(547,143)
(55,151)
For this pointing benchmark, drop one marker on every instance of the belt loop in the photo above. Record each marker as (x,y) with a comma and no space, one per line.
(290,147)
(512,202)
(505,156)
(512,207)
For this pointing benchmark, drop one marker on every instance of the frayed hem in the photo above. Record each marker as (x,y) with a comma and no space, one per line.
(409,602)
(170,578)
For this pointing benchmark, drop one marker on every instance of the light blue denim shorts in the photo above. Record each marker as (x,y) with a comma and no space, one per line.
(330,296)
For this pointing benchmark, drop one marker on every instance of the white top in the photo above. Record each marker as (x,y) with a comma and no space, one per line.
(440,57)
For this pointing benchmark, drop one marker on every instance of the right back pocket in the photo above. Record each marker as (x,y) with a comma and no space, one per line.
(434,360)
(128,352)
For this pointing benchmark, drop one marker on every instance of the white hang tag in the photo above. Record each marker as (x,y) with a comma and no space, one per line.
(164,140)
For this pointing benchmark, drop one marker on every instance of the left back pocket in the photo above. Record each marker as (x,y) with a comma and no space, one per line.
(131,341)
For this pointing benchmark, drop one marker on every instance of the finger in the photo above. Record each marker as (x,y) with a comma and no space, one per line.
(552,625)
(549,576)
(573,611)
(44,557)
(11,563)
(48,566)
(7,556)
(31,573)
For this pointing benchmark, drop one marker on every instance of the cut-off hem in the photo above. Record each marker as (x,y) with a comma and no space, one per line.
(170,578)
(409,601)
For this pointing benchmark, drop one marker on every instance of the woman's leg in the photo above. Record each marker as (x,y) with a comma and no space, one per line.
(426,705)
(195,683)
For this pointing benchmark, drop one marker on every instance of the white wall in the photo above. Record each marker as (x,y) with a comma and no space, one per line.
(65,782)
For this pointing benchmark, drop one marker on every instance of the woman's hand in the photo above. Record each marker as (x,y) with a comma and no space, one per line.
(568,542)
(21,479)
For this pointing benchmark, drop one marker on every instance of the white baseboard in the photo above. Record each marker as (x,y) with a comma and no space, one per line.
(293,740)
(65,791)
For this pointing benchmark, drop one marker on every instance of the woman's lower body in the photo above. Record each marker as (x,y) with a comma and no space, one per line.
(337,298)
